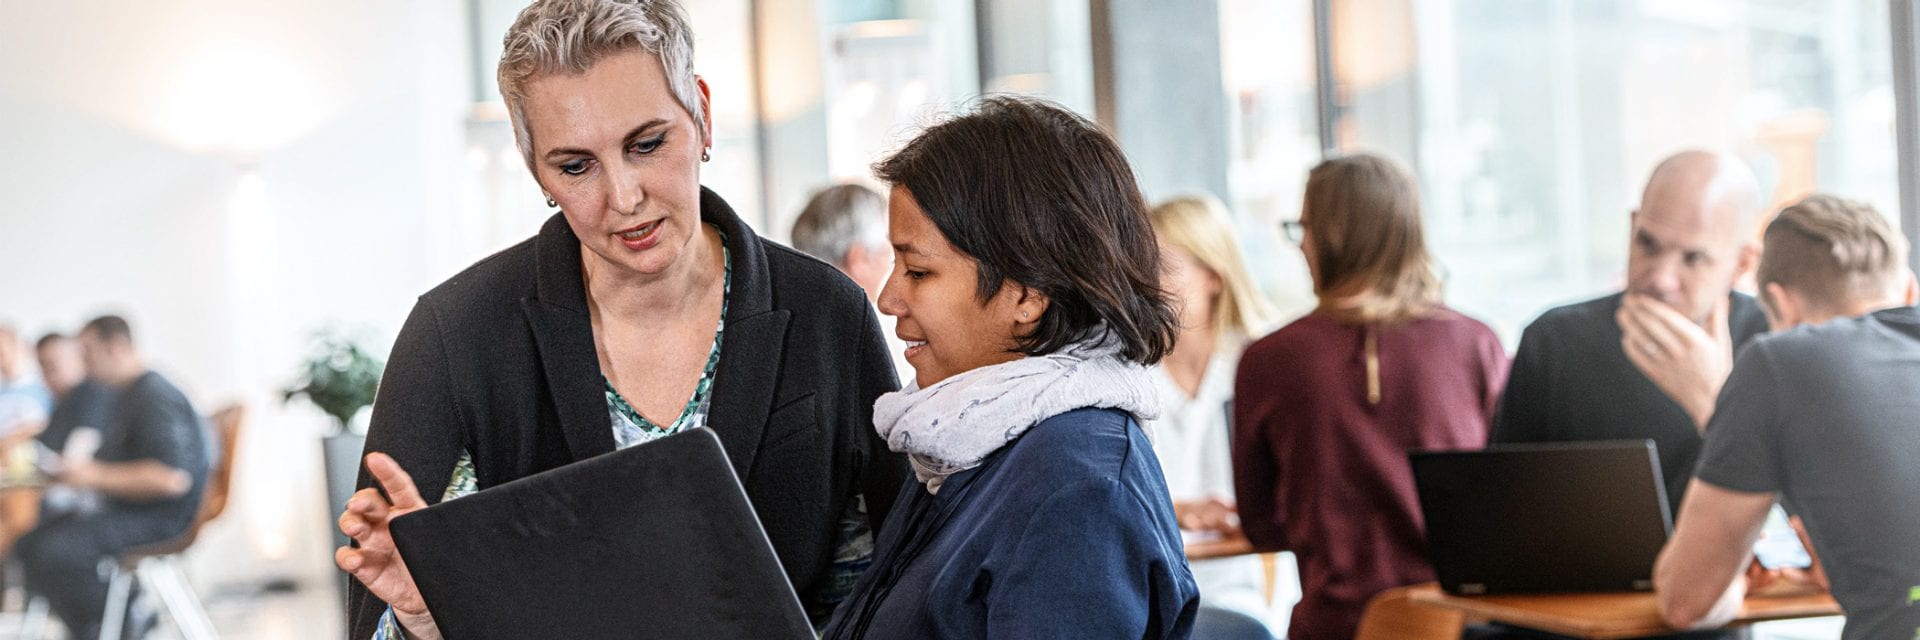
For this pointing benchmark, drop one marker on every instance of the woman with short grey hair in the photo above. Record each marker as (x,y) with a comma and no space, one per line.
(644,307)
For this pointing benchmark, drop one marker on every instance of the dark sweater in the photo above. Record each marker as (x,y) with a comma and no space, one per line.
(499,361)
(1572,382)
(1067,532)
(1322,471)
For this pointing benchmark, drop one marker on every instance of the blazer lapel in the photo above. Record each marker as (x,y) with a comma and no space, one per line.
(744,385)
(564,335)
(747,380)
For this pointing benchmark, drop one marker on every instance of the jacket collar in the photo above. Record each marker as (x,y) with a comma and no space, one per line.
(750,352)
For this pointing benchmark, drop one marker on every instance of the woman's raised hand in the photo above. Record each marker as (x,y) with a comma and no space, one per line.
(376,563)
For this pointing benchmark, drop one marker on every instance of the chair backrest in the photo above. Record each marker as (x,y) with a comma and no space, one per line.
(226,425)
(1392,615)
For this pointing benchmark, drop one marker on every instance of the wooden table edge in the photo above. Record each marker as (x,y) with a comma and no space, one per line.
(1776,608)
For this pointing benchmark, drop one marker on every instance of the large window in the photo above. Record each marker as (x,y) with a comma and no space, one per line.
(1533,124)
(1267,67)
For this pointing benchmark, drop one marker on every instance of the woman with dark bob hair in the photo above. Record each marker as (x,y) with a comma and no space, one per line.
(1025,284)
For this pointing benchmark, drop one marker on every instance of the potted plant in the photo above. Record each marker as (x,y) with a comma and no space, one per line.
(340,379)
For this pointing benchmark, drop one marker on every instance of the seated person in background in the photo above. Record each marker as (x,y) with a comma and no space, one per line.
(61,367)
(1325,409)
(151,467)
(78,400)
(846,226)
(1220,311)
(1027,282)
(24,401)
(1824,414)
(1646,363)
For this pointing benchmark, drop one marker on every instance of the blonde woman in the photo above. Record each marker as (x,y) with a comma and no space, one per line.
(1326,408)
(1220,312)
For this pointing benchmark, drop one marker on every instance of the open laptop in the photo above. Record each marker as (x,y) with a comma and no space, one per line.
(1559,517)
(655,541)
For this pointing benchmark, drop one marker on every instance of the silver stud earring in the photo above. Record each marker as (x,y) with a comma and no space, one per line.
(705,156)
(551,203)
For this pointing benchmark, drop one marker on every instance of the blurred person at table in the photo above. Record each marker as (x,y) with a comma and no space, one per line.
(1647,362)
(24,399)
(79,400)
(1326,409)
(644,307)
(150,468)
(1026,281)
(1821,414)
(1221,310)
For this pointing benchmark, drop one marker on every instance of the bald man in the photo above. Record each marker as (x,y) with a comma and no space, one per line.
(1648,362)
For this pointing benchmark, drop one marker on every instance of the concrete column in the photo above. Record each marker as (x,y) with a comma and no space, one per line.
(1157,86)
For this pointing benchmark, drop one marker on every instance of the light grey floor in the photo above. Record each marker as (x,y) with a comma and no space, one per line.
(306,613)
(314,613)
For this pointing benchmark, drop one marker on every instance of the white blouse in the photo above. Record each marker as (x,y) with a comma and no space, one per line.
(1191,439)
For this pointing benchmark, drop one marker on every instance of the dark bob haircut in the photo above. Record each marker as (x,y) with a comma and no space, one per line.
(1040,196)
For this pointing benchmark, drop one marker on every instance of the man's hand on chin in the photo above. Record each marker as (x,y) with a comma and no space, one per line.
(1686,361)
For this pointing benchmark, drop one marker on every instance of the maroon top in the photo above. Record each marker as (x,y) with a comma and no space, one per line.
(1321,469)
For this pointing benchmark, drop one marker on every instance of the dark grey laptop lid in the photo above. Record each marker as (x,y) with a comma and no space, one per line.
(654,541)
(1585,516)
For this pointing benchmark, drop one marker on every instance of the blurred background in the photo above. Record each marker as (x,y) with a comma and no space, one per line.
(239,177)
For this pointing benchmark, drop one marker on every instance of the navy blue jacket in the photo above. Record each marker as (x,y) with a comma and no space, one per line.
(1065,533)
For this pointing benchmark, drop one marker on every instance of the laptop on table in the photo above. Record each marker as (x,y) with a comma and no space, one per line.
(1535,518)
(654,541)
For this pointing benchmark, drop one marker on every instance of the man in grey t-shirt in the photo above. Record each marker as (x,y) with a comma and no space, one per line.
(1824,414)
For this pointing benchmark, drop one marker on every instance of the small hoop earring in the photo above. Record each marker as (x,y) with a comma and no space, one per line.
(551,203)
(705,157)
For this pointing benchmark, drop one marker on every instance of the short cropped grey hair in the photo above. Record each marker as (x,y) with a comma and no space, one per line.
(569,36)
(836,218)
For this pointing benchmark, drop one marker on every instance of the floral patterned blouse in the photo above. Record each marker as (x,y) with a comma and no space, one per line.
(853,546)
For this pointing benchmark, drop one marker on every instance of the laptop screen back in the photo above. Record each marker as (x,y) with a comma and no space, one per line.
(656,540)
(1564,517)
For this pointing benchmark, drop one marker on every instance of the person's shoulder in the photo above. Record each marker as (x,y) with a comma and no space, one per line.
(507,274)
(89,388)
(1308,330)
(801,280)
(1578,316)
(1449,321)
(1842,339)
(152,387)
(1078,444)
(1745,318)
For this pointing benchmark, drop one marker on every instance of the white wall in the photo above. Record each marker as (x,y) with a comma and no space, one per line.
(233,174)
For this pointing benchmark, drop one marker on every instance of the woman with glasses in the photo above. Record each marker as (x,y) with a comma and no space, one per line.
(1326,408)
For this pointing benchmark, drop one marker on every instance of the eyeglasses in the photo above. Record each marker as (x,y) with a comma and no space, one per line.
(1295,231)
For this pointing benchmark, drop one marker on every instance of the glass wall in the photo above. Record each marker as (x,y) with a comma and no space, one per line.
(1533,125)
(1267,66)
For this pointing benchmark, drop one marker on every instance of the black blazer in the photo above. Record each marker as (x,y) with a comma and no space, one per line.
(499,361)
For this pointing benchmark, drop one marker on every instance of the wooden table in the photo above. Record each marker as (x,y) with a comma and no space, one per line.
(1607,615)
(1222,548)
